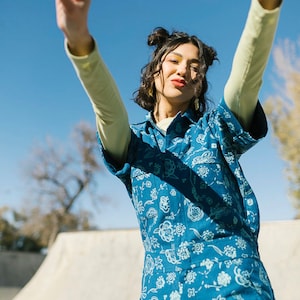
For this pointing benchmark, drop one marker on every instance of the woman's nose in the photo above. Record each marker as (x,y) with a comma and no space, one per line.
(182,69)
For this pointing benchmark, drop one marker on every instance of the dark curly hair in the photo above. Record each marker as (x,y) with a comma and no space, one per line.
(164,42)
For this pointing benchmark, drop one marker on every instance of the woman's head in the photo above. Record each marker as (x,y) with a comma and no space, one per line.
(190,63)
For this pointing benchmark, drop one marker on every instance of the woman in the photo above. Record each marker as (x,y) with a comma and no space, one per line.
(198,216)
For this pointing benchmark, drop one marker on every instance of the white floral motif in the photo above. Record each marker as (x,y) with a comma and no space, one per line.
(228,263)
(203,171)
(175,295)
(158,263)
(166,231)
(198,248)
(194,213)
(238,173)
(160,282)
(242,277)
(147,244)
(153,194)
(207,263)
(148,184)
(191,292)
(250,202)
(171,277)
(180,229)
(173,192)
(241,243)
(228,199)
(154,242)
(223,279)
(171,256)
(140,207)
(149,265)
(151,213)
(230,158)
(183,251)
(190,277)
(208,235)
(230,251)
(200,138)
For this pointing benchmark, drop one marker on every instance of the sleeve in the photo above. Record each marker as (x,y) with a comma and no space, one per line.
(111,116)
(242,88)
(234,139)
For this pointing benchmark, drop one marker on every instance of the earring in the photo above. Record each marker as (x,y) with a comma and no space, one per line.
(196,104)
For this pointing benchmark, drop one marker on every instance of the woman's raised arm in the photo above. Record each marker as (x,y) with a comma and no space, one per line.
(242,88)
(111,116)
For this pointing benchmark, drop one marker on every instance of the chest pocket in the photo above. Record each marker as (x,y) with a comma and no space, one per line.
(153,198)
(208,164)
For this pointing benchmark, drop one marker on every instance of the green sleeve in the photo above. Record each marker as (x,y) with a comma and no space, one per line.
(242,88)
(111,115)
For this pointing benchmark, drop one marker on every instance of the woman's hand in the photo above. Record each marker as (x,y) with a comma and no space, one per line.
(270,4)
(72,19)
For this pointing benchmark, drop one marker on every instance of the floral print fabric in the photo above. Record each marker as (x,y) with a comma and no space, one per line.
(198,216)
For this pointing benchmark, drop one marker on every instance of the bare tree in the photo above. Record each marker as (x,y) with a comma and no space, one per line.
(283,111)
(61,176)
(8,232)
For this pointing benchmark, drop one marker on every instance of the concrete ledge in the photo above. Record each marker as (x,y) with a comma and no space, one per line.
(107,264)
(280,251)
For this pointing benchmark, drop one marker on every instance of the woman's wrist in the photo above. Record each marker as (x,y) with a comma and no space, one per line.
(270,4)
(82,46)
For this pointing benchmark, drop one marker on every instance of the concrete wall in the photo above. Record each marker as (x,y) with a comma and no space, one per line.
(17,268)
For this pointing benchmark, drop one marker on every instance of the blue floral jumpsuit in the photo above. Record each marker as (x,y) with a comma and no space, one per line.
(198,216)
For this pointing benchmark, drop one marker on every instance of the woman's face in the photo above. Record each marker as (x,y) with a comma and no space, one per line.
(175,85)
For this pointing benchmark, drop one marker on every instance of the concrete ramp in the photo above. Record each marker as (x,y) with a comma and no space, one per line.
(106,265)
(89,266)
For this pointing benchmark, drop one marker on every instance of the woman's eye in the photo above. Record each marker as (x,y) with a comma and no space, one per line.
(195,69)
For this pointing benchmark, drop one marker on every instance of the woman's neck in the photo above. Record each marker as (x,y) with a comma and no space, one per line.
(163,111)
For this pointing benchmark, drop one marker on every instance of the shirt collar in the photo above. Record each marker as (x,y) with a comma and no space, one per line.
(189,114)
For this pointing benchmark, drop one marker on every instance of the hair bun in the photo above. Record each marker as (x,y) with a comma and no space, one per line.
(158,37)
(210,55)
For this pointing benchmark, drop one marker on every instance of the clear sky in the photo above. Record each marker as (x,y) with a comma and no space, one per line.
(40,95)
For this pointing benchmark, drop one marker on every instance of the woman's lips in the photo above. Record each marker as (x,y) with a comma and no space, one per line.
(178,82)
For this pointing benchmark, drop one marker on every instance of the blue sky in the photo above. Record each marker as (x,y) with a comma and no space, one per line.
(40,95)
